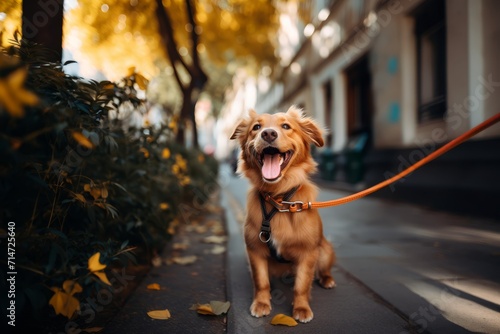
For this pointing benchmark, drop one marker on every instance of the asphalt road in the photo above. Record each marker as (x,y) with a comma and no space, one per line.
(401,269)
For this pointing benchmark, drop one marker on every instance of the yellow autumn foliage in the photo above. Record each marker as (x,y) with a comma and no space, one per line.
(63,301)
(82,140)
(96,267)
(13,95)
(235,28)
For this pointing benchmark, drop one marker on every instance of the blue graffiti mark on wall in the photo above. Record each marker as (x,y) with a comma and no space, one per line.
(394,113)
(392,65)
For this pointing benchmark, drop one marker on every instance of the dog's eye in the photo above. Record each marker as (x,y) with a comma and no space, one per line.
(256,127)
(286,126)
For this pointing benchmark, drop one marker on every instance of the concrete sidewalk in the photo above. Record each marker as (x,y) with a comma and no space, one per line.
(181,285)
(401,269)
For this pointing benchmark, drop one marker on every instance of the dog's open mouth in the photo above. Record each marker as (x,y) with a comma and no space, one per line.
(273,162)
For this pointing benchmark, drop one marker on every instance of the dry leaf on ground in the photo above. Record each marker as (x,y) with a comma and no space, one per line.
(153,286)
(281,319)
(213,308)
(218,249)
(215,239)
(184,260)
(201,229)
(159,314)
(180,246)
(156,261)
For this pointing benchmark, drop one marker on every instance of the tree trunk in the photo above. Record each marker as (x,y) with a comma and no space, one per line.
(42,23)
(193,122)
(187,115)
(195,71)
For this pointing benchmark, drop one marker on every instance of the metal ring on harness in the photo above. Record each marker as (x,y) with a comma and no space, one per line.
(264,240)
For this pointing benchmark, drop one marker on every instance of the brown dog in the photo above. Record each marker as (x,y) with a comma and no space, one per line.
(275,157)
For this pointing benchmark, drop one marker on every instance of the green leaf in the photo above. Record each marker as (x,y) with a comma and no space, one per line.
(124,244)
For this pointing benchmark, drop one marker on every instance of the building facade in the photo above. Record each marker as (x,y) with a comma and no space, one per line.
(392,81)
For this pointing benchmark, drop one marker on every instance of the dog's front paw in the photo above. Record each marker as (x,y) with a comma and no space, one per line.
(259,309)
(327,282)
(303,314)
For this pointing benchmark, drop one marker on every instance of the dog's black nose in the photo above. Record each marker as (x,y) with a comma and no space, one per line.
(269,135)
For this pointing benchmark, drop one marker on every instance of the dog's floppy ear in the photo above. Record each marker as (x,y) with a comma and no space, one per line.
(308,126)
(241,128)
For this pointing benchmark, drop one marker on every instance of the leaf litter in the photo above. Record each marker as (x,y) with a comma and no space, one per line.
(215,239)
(213,308)
(153,286)
(159,314)
(282,319)
(184,260)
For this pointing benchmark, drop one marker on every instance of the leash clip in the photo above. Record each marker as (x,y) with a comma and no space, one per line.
(295,206)
(262,238)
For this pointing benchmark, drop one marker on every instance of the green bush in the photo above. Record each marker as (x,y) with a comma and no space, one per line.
(78,179)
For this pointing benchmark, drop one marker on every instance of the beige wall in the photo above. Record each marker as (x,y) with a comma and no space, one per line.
(473,53)
(491,52)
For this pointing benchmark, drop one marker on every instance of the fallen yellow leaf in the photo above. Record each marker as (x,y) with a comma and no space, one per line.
(102,276)
(214,308)
(72,287)
(201,229)
(156,261)
(184,259)
(204,309)
(281,319)
(218,249)
(153,286)
(94,264)
(215,239)
(63,301)
(159,314)
(180,246)
(95,268)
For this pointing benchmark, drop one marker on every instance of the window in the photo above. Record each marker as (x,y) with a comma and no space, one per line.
(359,98)
(430,36)
(327,93)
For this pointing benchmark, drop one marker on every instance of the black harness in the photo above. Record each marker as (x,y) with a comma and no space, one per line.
(265,229)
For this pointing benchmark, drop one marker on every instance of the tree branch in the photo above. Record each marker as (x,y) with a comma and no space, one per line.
(201,76)
(167,36)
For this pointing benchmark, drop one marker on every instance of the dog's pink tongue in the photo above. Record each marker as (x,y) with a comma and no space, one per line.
(271,166)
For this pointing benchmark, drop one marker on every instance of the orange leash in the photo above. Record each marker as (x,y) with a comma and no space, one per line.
(297,206)
(452,144)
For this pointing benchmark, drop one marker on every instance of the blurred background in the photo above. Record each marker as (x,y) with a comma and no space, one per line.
(390,80)
(115,117)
